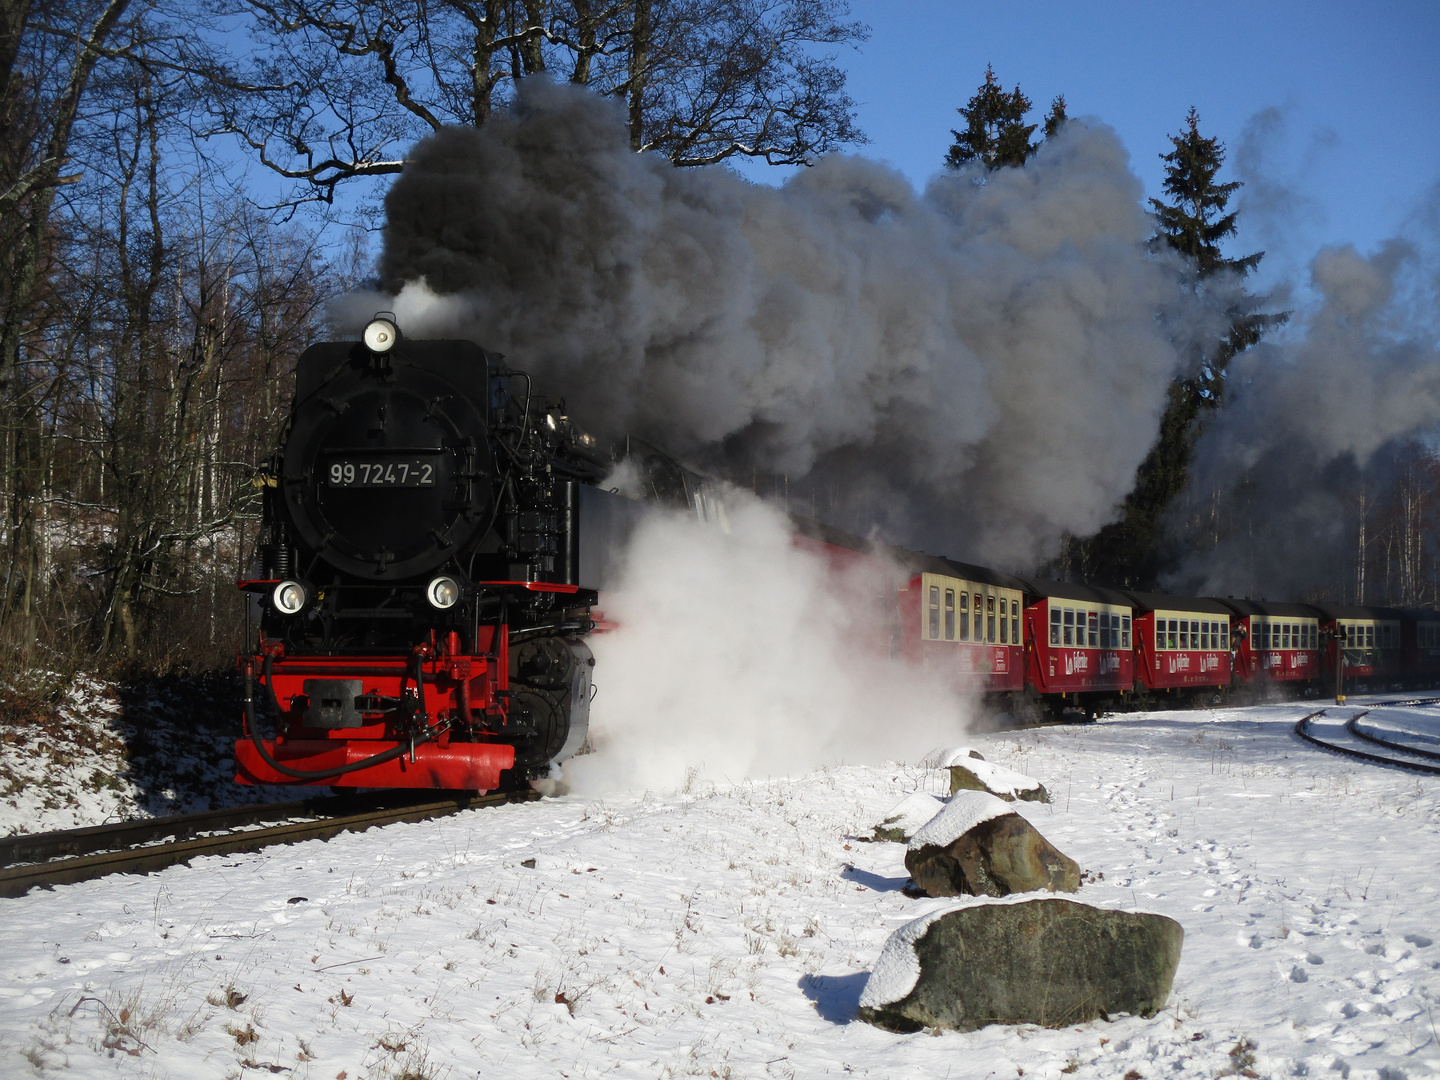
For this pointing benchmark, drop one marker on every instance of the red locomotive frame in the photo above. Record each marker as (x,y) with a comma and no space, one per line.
(442,692)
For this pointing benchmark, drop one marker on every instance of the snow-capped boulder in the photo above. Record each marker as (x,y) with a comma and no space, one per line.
(978,845)
(975,775)
(908,815)
(944,757)
(1042,961)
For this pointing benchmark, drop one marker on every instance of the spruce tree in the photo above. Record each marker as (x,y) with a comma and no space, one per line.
(1129,551)
(1195,222)
(995,132)
(1056,118)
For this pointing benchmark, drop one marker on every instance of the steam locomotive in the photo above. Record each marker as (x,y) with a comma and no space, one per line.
(434,541)
(423,587)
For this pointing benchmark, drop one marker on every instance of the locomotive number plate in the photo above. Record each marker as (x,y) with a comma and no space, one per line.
(347,473)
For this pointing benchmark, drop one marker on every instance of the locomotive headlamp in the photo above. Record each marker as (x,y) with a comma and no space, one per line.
(442,592)
(381,335)
(289,597)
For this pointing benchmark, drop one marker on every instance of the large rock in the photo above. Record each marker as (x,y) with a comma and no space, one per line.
(978,845)
(1004,783)
(971,772)
(1042,961)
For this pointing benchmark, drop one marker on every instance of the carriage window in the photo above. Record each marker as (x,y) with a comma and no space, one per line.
(1159,634)
(1172,633)
(1104,630)
(1125,631)
(1014,622)
(979,626)
(1224,635)
(1069,627)
(1370,636)
(1054,626)
(1314,635)
(964,616)
(1094,630)
(990,619)
(949,614)
(1185,642)
(934,611)
(1285,636)
(1004,625)
(1205,634)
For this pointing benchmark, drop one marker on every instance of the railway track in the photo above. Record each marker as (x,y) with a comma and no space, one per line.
(44,860)
(1348,737)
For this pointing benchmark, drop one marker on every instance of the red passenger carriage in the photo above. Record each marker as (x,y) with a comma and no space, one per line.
(964,622)
(1080,646)
(1181,643)
(1366,642)
(1274,643)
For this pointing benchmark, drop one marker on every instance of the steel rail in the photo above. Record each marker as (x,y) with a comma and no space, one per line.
(1414,766)
(38,847)
(18,880)
(1353,727)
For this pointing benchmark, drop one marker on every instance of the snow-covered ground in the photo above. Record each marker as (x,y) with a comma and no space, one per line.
(90,751)
(728,930)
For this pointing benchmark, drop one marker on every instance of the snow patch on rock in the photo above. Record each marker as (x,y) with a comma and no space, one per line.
(911,813)
(997,778)
(963,812)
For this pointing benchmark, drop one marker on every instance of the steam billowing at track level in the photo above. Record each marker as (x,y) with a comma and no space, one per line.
(977,368)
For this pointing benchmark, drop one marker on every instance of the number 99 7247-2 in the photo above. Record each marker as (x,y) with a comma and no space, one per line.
(381,474)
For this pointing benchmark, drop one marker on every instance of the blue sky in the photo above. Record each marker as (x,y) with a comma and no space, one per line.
(1347,96)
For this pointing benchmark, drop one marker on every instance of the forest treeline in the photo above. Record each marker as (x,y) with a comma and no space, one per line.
(155,294)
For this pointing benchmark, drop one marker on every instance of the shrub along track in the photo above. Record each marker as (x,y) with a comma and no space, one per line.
(146,845)
(1430,764)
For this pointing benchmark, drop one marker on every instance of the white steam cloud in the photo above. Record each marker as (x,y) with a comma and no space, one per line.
(740,655)
(981,366)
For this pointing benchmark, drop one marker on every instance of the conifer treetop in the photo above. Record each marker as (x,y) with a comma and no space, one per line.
(1195,222)
(995,132)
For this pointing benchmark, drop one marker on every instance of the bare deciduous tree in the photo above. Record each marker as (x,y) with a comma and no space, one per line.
(337,89)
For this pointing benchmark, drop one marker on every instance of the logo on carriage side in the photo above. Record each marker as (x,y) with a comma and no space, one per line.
(1109,662)
(1299,660)
(1076,662)
(1210,663)
(1274,659)
(1179,662)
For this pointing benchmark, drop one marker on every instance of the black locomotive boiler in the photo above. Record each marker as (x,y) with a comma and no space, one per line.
(424,585)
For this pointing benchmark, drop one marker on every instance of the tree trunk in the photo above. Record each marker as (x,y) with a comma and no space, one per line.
(639,64)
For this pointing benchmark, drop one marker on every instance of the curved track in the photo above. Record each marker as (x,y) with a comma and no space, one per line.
(1351,740)
(142,847)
